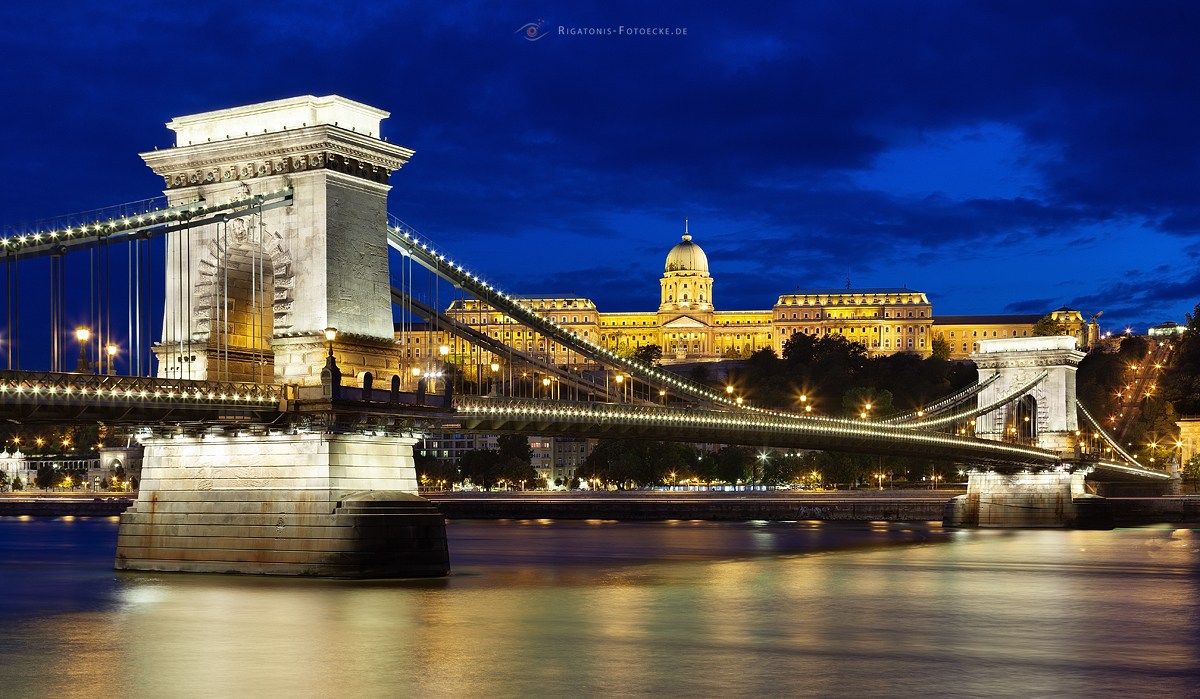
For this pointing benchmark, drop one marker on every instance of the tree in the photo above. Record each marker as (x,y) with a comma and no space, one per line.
(733,465)
(515,446)
(480,466)
(1047,326)
(781,470)
(46,477)
(1181,380)
(18,484)
(941,348)
(856,400)
(1134,349)
(514,470)
(648,354)
(432,471)
(4,479)
(706,468)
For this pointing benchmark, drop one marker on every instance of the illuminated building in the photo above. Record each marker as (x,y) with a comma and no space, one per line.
(963,333)
(687,326)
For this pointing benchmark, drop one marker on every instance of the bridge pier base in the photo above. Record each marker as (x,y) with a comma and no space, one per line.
(324,505)
(1048,499)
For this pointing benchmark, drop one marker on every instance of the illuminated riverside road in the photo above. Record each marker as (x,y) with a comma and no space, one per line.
(591,609)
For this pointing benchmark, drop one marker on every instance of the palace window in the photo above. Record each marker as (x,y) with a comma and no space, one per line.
(951,333)
(964,347)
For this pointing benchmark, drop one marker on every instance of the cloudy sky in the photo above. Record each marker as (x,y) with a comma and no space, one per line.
(1001,157)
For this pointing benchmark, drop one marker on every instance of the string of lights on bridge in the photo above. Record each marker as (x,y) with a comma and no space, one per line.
(128,224)
(259,393)
(699,419)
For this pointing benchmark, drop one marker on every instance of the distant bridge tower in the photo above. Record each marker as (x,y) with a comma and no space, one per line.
(257,291)
(1046,413)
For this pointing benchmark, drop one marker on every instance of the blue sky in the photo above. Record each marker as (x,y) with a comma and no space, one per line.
(1000,156)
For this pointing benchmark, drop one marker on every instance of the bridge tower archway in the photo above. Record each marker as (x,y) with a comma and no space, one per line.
(1025,419)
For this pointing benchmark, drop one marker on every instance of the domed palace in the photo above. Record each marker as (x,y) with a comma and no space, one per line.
(689,329)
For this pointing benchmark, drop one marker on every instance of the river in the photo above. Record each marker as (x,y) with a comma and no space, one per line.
(615,609)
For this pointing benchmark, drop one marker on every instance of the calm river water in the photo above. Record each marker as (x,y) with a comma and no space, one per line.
(611,609)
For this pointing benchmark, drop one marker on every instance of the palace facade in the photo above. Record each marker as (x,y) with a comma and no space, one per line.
(688,327)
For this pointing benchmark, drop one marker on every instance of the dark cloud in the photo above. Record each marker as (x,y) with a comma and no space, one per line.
(572,161)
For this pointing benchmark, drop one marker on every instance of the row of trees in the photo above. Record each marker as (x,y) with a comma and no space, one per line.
(511,462)
(837,377)
(631,463)
(1153,433)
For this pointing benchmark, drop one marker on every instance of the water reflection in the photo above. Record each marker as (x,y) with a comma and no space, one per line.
(624,609)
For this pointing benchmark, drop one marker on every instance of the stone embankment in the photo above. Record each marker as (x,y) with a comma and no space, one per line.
(65,504)
(838,506)
(859,506)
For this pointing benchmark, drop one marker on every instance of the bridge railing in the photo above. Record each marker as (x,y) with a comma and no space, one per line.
(49,384)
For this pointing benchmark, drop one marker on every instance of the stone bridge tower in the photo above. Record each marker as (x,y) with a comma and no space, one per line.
(1047,411)
(249,299)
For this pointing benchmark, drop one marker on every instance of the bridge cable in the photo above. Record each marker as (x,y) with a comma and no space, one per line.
(955,417)
(1104,433)
(945,403)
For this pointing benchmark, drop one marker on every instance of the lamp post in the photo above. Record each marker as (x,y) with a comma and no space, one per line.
(83,334)
(331,375)
(330,336)
(112,356)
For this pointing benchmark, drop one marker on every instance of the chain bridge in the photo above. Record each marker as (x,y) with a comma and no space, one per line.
(278,399)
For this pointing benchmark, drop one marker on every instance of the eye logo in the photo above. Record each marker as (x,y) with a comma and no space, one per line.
(532,31)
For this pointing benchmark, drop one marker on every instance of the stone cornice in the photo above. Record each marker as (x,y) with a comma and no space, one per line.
(279,153)
(996,360)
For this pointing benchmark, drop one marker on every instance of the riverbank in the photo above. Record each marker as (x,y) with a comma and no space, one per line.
(832,506)
(65,505)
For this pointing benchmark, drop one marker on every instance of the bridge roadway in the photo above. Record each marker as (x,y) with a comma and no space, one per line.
(57,398)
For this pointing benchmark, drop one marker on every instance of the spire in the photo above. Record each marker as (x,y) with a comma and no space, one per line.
(686,235)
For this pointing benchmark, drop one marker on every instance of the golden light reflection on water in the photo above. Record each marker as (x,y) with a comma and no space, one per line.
(664,609)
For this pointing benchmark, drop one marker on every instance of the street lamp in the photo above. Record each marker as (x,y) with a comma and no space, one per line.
(330,336)
(83,334)
(112,355)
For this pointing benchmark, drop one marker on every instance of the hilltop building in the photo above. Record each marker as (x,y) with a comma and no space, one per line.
(689,327)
